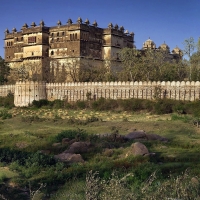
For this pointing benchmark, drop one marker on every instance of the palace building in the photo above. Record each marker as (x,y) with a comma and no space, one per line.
(38,52)
(57,53)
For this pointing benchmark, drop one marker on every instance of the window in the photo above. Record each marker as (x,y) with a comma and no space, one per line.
(58,34)
(52,53)
(22,38)
(75,36)
(32,54)
(52,34)
(63,33)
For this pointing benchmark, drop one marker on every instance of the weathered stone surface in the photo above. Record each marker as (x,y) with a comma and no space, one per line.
(79,147)
(69,157)
(65,141)
(139,149)
(140,134)
(156,137)
(57,144)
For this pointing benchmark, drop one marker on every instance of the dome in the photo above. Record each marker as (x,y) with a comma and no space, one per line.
(25,26)
(116,27)
(79,20)
(95,23)
(14,30)
(59,23)
(33,24)
(6,31)
(164,47)
(87,21)
(149,44)
(110,25)
(42,23)
(69,22)
(178,51)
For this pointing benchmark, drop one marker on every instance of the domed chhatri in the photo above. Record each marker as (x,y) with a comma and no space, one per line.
(59,23)
(33,24)
(87,21)
(164,47)
(79,20)
(69,21)
(177,51)
(25,26)
(14,30)
(110,25)
(95,23)
(149,44)
(42,23)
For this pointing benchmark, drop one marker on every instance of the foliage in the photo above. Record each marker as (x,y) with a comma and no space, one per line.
(4,71)
(7,101)
(4,114)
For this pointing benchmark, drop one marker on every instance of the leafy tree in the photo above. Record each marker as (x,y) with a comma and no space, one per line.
(189,46)
(4,71)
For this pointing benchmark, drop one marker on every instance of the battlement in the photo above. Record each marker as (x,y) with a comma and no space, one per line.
(26,92)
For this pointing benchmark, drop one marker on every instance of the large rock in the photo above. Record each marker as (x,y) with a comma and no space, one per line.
(156,137)
(69,157)
(140,134)
(139,149)
(79,147)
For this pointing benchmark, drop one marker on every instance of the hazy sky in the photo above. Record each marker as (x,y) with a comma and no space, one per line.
(171,21)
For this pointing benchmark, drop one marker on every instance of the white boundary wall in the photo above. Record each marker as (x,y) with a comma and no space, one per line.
(26,92)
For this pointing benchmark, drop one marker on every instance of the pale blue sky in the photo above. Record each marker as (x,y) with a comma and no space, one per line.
(171,21)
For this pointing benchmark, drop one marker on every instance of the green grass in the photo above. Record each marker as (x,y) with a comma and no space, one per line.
(31,130)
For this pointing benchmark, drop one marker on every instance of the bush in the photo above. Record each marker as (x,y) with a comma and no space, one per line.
(7,101)
(81,104)
(105,104)
(71,134)
(4,114)
(40,103)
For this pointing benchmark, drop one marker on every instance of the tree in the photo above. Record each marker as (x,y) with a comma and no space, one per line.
(4,71)
(131,61)
(189,46)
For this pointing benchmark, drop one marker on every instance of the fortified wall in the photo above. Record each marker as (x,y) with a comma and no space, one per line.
(26,92)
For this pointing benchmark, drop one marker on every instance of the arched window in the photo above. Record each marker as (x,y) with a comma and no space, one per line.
(52,34)
(52,53)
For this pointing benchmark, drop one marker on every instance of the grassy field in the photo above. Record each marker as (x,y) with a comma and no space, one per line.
(30,130)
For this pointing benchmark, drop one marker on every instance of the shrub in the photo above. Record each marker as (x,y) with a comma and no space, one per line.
(7,101)
(163,106)
(71,134)
(81,104)
(4,114)
(40,103)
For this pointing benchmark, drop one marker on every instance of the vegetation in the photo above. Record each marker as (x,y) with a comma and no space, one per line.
(30,137)
(4,71)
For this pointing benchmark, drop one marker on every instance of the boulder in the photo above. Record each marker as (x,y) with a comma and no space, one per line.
(65,141)
(140,134)
(79,147)
(69,157)
(139,149)
(156,137)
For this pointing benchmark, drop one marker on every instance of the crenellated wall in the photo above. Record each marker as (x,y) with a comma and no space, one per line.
(6,89)
(26,92)
(123,90)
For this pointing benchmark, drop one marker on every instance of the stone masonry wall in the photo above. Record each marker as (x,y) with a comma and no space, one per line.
(26,92)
